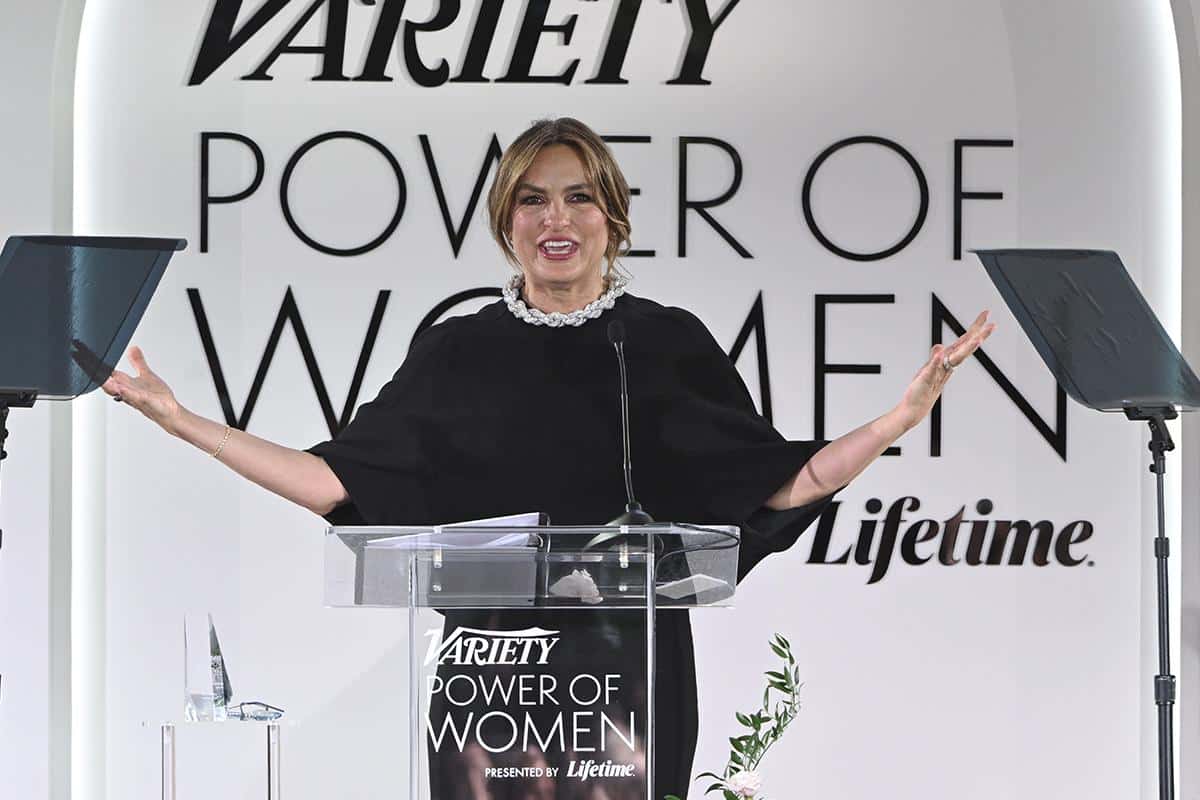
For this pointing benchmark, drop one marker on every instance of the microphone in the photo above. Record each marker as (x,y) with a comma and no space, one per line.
(633,515)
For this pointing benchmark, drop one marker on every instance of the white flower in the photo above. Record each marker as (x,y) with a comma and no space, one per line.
(579,584)
(744,784)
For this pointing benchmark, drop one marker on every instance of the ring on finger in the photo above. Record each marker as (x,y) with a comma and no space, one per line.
(946,365)
(117,398)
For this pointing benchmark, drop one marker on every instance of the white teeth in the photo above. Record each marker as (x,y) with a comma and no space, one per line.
(558,244)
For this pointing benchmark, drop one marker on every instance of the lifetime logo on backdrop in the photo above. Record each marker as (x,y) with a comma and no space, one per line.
(223,37)
(948,542)
(483,648)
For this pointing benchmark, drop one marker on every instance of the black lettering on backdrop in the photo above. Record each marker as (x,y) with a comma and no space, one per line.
(882,557)
(458,233)
(619,35)
(922,188)
(1056,437)
(950,537)
(821,368)
(975,539)
(701,206)
(533,25)
(1078,531)
(917,534)
(288,312)
(633,190)
(986,540)
(482,33)
(205,198)
(424,76)
(756,323)
(1024,532)
(695,54)
(285,204)
(819,554)
(221,41)
(387,23)
(959,194)
(332,50)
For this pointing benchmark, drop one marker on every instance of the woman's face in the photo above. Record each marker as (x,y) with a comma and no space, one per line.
(559,232)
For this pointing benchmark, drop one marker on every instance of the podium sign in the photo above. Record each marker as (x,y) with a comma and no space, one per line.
(531,650)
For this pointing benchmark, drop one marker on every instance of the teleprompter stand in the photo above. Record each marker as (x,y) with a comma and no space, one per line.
(1107,349)
(68,307)
(11,398)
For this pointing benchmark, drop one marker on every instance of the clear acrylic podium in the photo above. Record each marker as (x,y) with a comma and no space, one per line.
(531,649)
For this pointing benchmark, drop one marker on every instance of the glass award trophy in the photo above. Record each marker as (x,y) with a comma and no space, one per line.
(206,683)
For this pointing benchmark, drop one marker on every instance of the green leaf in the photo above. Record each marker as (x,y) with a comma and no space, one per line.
(779,651)
(786,643)
(670,797)
(730,795)
(742,718)
(708,775)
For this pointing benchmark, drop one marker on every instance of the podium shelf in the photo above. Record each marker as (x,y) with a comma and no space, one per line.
(561,567)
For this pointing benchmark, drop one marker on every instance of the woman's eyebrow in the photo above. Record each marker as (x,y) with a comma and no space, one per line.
(540,190)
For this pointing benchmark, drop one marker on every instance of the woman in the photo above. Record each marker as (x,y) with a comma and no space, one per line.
(513,409)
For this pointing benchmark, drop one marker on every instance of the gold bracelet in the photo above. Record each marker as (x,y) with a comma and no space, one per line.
(224,441)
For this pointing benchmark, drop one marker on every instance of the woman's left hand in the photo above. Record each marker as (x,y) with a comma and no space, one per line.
(839,462)
(927,385)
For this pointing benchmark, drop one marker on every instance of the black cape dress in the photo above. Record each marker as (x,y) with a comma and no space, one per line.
(489,415)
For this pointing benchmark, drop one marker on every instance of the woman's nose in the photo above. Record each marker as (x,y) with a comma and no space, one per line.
(556,214)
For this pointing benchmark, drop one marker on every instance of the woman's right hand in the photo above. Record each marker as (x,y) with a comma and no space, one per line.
(145,392)
(294,475)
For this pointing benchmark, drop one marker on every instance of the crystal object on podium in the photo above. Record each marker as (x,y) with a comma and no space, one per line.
(206,684)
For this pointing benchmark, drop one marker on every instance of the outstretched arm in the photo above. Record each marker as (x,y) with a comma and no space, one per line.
(839,462)
(295,475)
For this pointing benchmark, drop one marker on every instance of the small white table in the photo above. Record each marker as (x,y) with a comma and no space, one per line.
(168,760)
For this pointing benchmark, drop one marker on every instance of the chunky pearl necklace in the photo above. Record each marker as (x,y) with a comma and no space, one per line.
(556,319)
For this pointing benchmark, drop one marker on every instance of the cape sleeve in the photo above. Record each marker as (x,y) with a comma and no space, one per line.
(736,459)
(385,457)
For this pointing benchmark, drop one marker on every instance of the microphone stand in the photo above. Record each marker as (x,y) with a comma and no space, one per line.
(634,514)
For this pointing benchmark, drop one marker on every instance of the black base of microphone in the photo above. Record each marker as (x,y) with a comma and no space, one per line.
(634,515)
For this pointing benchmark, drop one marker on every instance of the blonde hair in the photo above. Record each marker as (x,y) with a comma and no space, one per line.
(610,187)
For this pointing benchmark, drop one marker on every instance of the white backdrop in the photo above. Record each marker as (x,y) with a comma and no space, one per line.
(988,680)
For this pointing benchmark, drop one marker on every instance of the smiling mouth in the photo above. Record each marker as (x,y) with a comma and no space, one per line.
(558,249)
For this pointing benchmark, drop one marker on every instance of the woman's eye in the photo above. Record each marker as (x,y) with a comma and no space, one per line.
(578,197)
